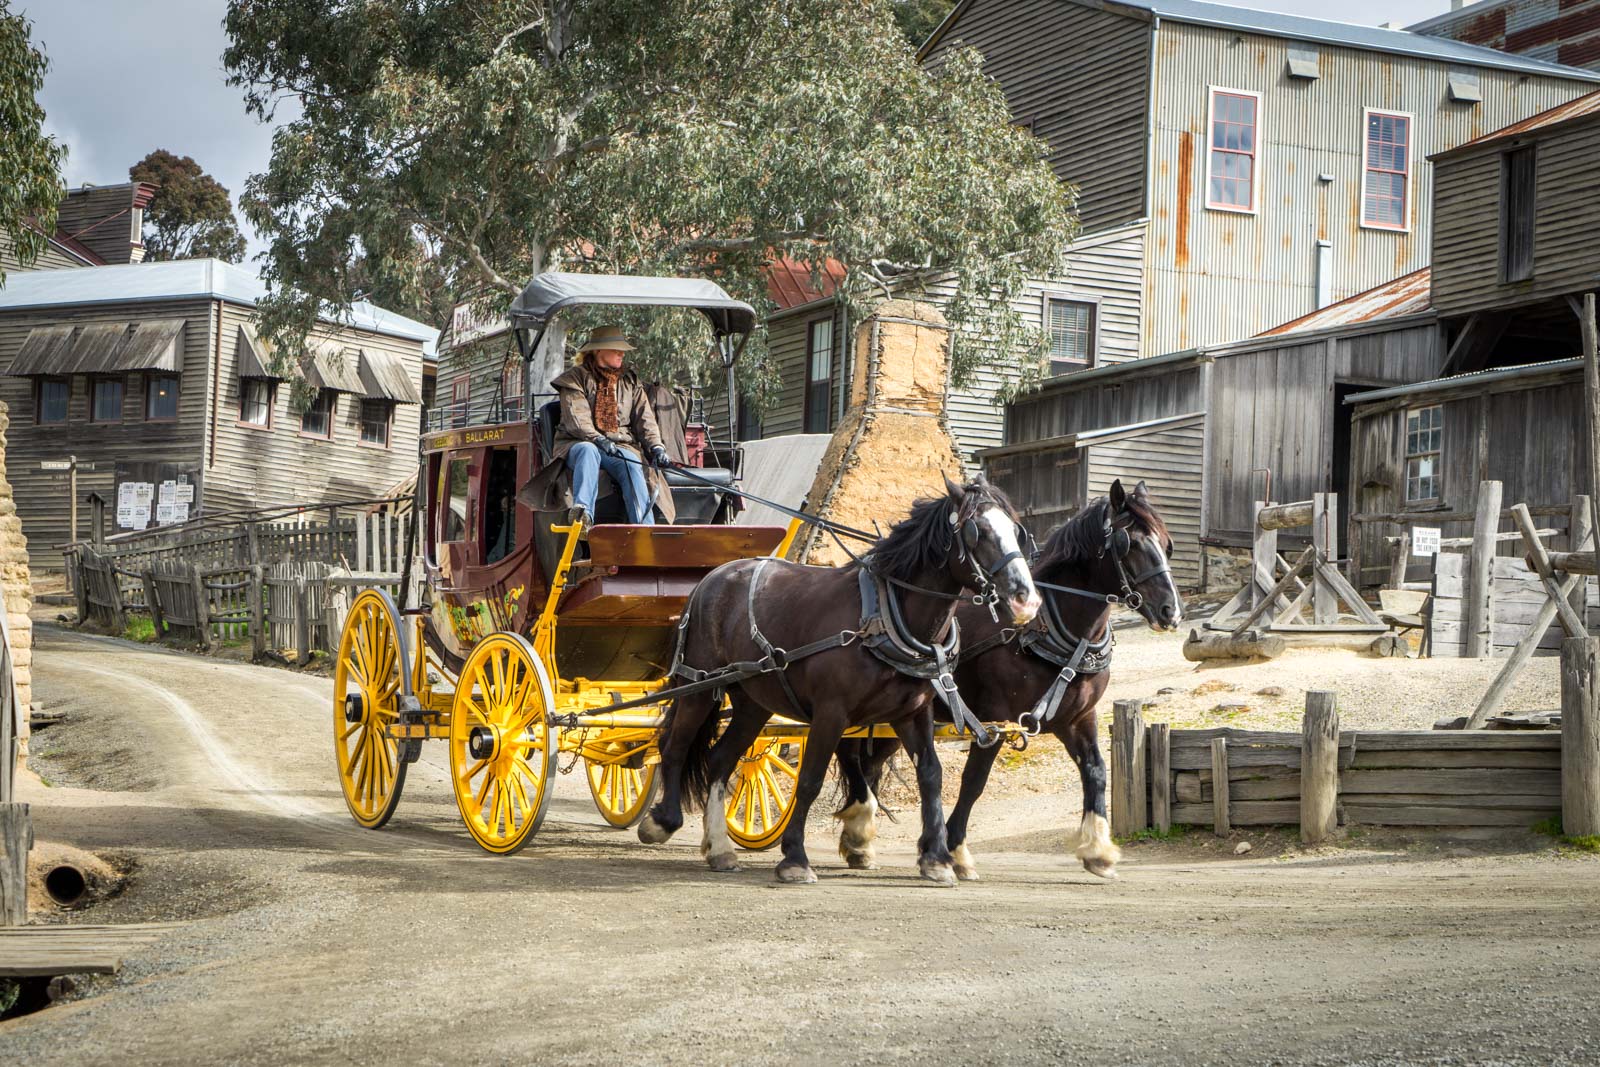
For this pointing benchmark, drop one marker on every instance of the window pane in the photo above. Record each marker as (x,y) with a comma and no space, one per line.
(161,397)
(375,421)
(107,400)
(255,402)
(53,398)
(1070,330)
(455,494)
(318,418)
(821,367)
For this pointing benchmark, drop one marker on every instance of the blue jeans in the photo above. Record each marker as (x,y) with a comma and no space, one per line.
(586,461)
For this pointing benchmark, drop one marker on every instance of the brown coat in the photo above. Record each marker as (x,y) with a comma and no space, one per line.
(551,489)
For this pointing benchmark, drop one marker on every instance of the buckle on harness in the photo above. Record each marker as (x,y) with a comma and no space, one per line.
(779,658)
(1031,724)
(946,681)
(1134,600)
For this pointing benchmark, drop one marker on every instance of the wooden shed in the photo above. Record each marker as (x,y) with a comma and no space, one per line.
(153,378)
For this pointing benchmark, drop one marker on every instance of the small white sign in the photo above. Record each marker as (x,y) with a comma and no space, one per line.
(168,490)
(163,514)
(183,493)
(141,517)
(1424,540)
(125,518)
(180,512)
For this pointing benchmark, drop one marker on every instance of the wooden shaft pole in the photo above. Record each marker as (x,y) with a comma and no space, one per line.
(1319,767)
(1580,737)
(1578,533)
(1540,559)
(1495,695)
(1479,605)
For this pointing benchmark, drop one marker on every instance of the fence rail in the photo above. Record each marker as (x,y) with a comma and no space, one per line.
(283,586)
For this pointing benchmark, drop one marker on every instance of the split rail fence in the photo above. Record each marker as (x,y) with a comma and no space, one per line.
(283,586)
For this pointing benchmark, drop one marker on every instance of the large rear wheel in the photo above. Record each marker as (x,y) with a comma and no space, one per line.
(761,793)
(620,781)
(502,752)
(366,701)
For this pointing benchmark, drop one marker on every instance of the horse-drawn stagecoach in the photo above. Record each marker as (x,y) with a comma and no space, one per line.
(540,636)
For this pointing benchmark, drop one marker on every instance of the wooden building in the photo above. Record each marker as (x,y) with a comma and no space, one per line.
(153,373)
(1211,430)
(95,226)
(1565,32)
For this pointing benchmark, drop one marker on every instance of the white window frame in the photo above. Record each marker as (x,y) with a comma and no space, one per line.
(1407,456)
(1411,169)
(1093,303)
(1255,156)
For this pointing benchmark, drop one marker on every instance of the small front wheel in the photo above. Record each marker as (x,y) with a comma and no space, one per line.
(502,752)
(366,702)
(761,795)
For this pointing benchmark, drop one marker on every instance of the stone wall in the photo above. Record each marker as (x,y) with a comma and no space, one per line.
(16,582)
(1224,568)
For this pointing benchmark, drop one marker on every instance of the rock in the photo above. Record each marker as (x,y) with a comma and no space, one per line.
(1242,847)
(1452,722)
(1270,691)
(1166,690)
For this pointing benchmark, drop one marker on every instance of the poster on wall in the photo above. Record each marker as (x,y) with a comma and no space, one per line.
(154,493)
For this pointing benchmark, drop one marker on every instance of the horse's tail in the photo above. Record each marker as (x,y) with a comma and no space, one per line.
(697,761)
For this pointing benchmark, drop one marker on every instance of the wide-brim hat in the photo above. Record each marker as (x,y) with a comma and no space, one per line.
(607,337)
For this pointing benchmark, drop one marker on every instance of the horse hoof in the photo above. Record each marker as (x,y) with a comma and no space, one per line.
(965,868)
(794,874)
(1101,868)
(725,863)
(938,873)
(652,832)
(860,861)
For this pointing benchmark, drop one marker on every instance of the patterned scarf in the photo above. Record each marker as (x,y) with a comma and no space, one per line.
(605,401)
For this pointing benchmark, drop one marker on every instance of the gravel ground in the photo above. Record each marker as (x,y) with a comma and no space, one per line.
(307,940)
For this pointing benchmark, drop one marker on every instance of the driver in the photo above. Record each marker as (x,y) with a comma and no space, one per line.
(607,423)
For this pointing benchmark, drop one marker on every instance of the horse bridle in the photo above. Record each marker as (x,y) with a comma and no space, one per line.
(984,591)
(1119,546)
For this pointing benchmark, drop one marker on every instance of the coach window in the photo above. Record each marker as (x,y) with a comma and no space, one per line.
(500,505)
(453,495)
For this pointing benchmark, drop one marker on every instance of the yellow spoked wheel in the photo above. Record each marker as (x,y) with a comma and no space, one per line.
(502,752)
(366,700)
(621,785)
(761,793)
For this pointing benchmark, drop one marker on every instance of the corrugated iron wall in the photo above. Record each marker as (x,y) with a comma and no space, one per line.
(1558,31)
(1168,460)
(1218,276)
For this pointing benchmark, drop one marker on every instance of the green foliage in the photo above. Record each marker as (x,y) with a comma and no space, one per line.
(1551,827)
(30,162)
(1150,833)
(190,216)
(140,628)
(918,19)
(640,137)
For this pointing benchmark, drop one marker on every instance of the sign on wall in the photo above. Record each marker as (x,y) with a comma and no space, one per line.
(155,494)
(1424,540)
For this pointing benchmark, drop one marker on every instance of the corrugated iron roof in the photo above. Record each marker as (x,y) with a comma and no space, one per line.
(1583,105)
(180,279)
(330,368)
(1409,294)
(100,348)
(1479,377)
(1323,31)
(790,282)
(255,358)
(385,378)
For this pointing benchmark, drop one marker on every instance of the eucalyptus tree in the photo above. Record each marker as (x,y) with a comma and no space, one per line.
(638,136)
(30,161)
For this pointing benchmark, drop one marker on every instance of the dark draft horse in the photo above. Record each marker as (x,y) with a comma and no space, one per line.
(1117,546)
(966,539)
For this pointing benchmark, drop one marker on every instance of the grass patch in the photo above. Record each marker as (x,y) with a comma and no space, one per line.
(1150,833)
(140,628)
(1551,827)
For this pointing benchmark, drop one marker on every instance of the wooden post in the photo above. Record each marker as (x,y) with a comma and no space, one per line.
(302,622)
(1571,622)
(152,599)
(16,840)
(1580,736)
(1324,604)
(258,614)
(1591,392)
(1319,767)
(1495,695)
(202,606)
(1127,768)
(1579,530)
(1219,786)
(1478,613)
(1402,559)
(1263,554)
(361,543)
(1160,776)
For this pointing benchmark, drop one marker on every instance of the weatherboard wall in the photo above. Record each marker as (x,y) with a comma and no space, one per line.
(1078,78)
(1466,241)
(42,497)
(1216,276)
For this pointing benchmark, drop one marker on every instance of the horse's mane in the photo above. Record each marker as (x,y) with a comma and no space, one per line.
(1082,538)
(922,540)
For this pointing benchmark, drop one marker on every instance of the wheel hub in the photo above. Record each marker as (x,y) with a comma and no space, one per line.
(483,742)
(354,708)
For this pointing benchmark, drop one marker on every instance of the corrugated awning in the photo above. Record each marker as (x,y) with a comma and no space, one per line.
(255,357)
(100,348)
(384,377)
(328,368)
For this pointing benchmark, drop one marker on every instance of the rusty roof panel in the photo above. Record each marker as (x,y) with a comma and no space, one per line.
(1572,109)
(790,283)
(1409,294)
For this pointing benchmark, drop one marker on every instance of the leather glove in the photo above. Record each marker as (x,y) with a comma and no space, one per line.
(606,445)
(658,456)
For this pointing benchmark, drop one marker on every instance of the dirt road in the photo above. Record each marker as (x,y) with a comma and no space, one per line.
(308,940)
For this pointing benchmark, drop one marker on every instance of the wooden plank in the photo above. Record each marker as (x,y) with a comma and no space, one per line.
(1194,787)
(1487,802)
(1128,782)
(1160,777)
(1240,813)
(1498,689)
(1193,759)
(16,840)
(1512,759)
(1570,622)
(1580,732)
(1235,735)
(1476,781)
(1319,768)
(1442,740)
(1432,815)
(1219,786)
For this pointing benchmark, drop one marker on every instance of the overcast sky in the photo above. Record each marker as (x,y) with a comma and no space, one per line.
(130,76)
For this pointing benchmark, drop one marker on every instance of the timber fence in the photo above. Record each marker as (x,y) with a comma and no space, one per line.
(282,585)
(1322,777)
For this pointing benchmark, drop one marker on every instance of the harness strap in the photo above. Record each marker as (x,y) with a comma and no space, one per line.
(944,687)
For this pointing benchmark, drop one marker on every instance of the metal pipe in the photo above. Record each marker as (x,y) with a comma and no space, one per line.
(66,884)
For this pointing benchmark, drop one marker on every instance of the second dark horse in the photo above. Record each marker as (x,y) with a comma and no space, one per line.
(1117,547)
(751,610)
